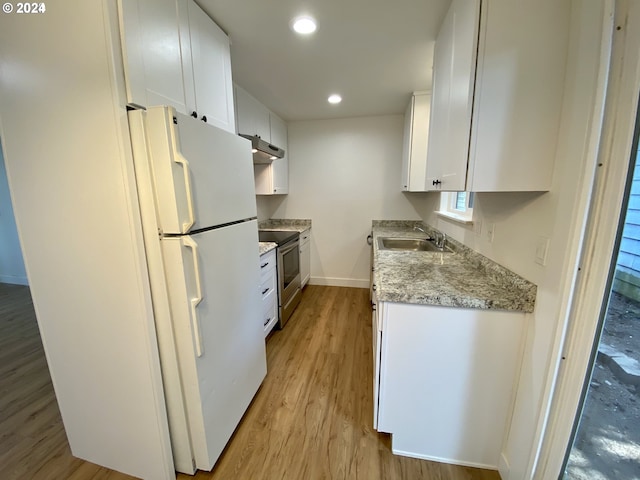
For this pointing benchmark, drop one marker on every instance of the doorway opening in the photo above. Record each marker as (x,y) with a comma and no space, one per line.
(606,435)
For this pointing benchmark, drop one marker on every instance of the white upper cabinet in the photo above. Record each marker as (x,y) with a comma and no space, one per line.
(252,116)
(414,148)
(454,65)
(495,118)
(280,166)
(522,55)
(153,75)
(174,54)
(211,64)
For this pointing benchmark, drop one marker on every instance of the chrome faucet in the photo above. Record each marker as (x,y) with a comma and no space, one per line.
(440,239)
(416,227)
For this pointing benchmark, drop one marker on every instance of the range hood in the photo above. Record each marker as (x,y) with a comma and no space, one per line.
(263,152)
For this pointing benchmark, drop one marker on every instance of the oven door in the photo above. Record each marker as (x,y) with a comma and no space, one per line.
(288,279)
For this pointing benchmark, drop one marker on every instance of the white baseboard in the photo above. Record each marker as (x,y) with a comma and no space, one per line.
(339,282)
(14,280)
(503,467)
(442,460)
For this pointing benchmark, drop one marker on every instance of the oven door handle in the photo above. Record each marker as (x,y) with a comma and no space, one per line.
(289,246)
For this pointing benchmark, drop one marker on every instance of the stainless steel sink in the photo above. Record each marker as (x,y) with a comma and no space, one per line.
(410,245)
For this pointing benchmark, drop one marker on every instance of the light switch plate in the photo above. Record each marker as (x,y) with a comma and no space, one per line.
(542,248)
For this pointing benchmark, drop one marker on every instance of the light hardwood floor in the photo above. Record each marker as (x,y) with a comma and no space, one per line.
(311,419)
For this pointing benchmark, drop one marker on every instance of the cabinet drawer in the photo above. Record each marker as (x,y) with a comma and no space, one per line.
(267,264)
(268,284)
(304,237)
(270,312)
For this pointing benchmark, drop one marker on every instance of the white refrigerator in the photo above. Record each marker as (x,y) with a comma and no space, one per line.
(197,201)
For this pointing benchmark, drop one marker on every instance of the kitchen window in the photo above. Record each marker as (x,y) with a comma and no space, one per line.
(457,206)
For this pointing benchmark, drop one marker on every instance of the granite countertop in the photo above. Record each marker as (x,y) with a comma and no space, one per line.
(292,224)
(464,278)
(265,247)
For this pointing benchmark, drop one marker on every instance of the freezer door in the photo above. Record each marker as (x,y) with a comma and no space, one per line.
(202,176)
(213,284)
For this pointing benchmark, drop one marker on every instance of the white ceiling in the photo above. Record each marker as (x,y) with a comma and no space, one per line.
(372,52)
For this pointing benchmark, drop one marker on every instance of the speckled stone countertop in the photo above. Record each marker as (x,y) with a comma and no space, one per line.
(266,247)
(464,278)
(285,224)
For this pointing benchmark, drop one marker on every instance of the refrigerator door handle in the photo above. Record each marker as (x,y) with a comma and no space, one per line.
(187,186)
(195,323)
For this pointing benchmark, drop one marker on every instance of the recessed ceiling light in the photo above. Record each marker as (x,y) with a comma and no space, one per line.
(335,98)
(304,25)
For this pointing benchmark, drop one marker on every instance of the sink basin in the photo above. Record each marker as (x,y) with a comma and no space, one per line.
(410,245)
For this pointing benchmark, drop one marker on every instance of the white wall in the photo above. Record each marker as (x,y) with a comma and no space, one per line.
(343,174)
(521,218)
(11,264)
(68,158)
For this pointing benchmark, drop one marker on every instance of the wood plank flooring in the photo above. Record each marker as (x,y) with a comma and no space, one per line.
(311,419)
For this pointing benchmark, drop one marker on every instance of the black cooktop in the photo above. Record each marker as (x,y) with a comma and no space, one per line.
(278,236)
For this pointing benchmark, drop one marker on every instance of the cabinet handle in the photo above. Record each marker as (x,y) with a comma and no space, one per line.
(262,266)
(204,118)
(374,287)
(437,182)
(194,114)
(266,321)
(265,291)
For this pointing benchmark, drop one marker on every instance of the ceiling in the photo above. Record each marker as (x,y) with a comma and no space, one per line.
(374,53)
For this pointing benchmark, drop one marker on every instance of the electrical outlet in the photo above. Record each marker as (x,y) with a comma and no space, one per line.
(542,248)
(490,232)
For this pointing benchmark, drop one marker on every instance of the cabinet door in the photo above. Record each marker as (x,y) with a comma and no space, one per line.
(406,147)
(211,63)
(416,137)
(280,166)
(253,116)
(454,67)
(376,334)
(446,380)
(151,47)
(305,257)
(519,91)
(262,175)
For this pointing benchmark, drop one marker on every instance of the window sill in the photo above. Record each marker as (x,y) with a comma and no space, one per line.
(454,217)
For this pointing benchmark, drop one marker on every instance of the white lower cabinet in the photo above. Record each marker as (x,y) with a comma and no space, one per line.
(445,380)
(269,290)
(376,335)
(305,257)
